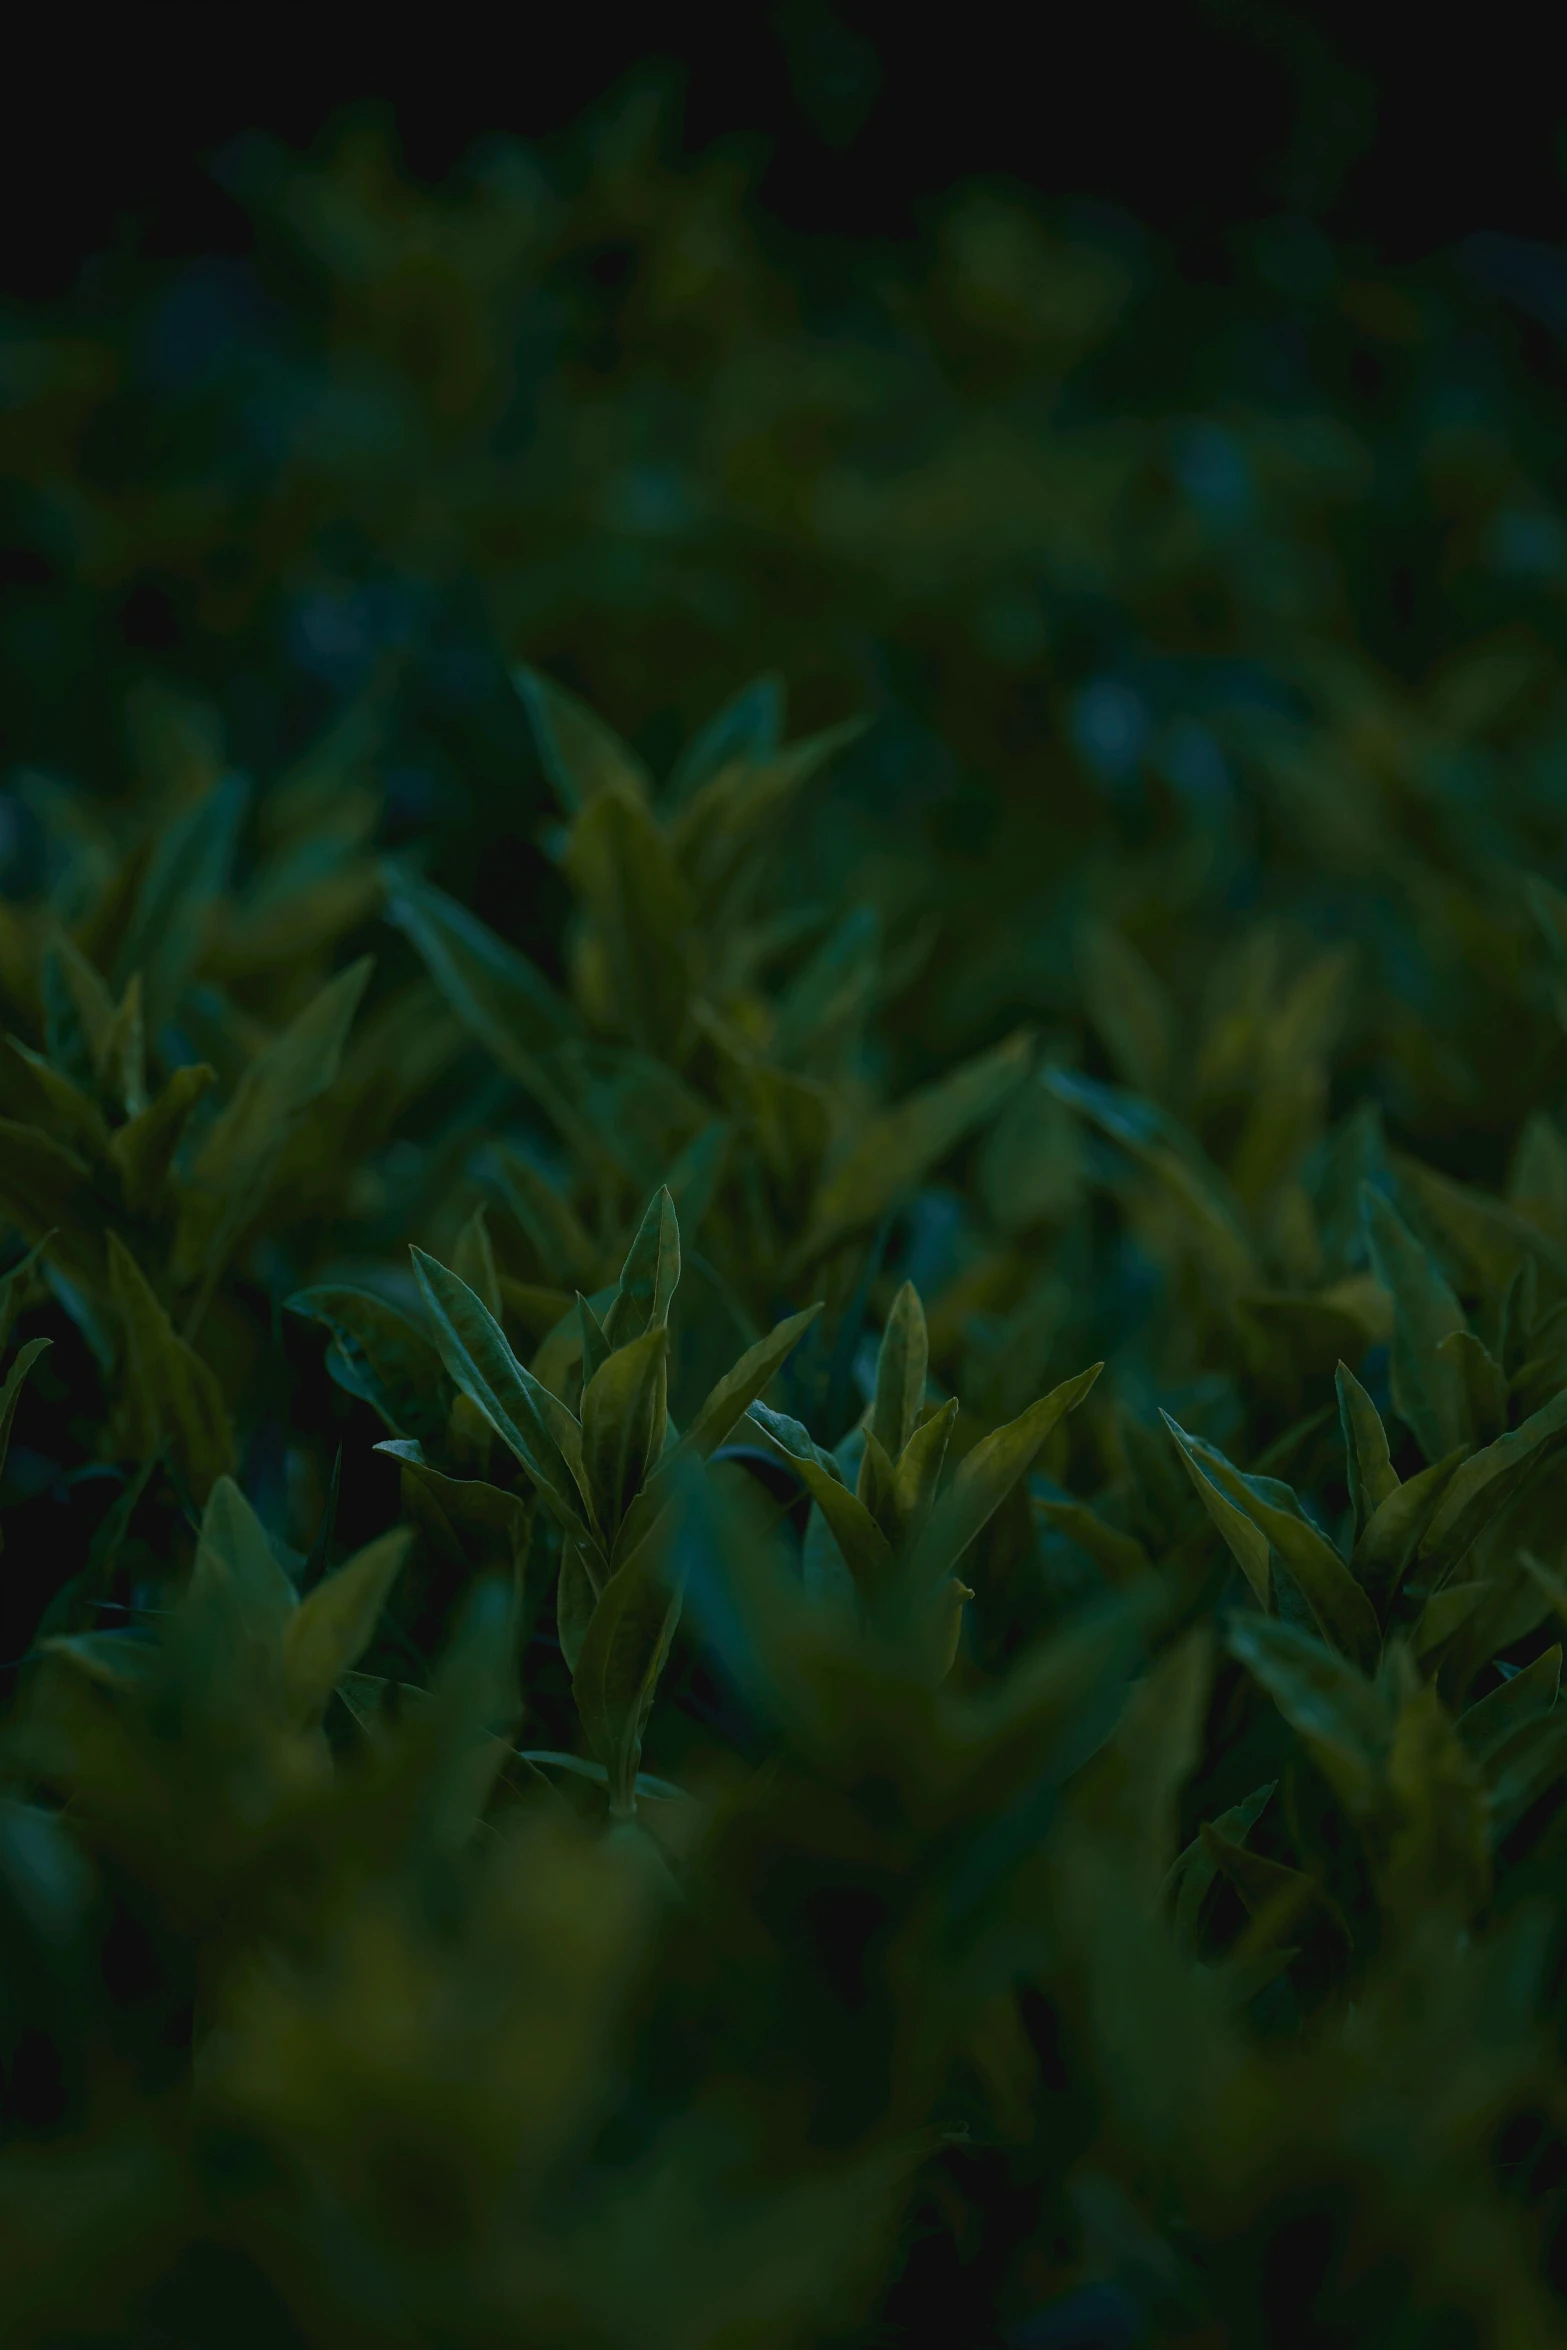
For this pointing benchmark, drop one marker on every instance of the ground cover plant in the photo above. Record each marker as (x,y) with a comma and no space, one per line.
(782,1509)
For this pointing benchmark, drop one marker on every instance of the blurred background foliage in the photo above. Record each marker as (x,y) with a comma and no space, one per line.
(1024,756)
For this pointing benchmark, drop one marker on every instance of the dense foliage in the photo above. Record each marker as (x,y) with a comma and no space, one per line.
(783,1516)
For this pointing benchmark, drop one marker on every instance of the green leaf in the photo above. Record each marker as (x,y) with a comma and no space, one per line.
(581,756)
(502,998)
(1276,1896)
(623,1417)
(1157,1142)
(917,1471)
(747,727)
(387,1362)
(901,1365)
(46,1188)
(564,1250)
(897,1150)
(984,1477)
(143,1148)
(1392,1534)
(739,1388)
(59,1104)
(1194,1872)
(167,1391)
(473,1261)
(474,1528)
(1342,1610)
(620,864)
(334,1624)
(1343,1718)
(187,875)
(1429,1390)
(14,1287)
(1120,1558)
(26,1356)
(866,1550)
(236,1161)
(78,1011)
(1484,1725)
(1485,1386)
(1482,1485)
(595,1346)
(1247,1543)
(623,1653)
(1372,1476)
(576,1596)
(234,1553)
(1129,1006)
(649,1276)
(535,1424)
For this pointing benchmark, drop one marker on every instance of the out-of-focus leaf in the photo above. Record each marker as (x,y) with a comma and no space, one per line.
(235,1163)
(1429,1390)
(581,756)
(1343,1717)
(894,1153)
(334,1624)
(167,1393)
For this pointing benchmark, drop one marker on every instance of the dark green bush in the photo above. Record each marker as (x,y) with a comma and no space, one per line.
(783,1544)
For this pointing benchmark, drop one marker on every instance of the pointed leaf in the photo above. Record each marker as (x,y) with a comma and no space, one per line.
(984,1477)
(1343,1717)
(246,1140)
(1533,1691)
(895,1152)
(1482,1485)
(1372,1476)
(748,727)
(866,1551)
(740,1387)
(233,1550)
(623,1413)
(901,1366)
(623,1653)
(168,1392)
(1429,1392)
(143,1148)
(580,754)
(535,1424)
(330,1630)
(650,1274)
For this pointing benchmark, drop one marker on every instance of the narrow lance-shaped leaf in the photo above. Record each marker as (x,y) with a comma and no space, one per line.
(650,1274)
(143,1148)
(898,1148)
(580,754)
(901,1365)
(1336,1600)
(623,1417)
(167,1391)
(985,1476)
(332,1627)
(243,1146)
(866,1550)
(622,1655)
(1428,1387)
(11,1391)
(535,1424)
(1372,1476)
(1481,1485)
